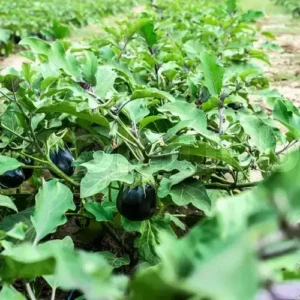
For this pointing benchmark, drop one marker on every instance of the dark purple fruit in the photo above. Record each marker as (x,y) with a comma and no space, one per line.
(12,179)
(137,204)
(63,160)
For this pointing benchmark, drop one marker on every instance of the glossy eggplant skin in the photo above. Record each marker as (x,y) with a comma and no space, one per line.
(12,179)
(63,160)
(28,162)
(138,203)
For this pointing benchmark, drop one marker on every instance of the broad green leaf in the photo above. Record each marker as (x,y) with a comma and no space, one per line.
(135,27)
(114,261)
(167,164)
(17,232)
(186,111)
(10,221)
(213,73)
(71,108)
(190,267)
(7,202)
(261,135)
(4,35)
(148,33)
(99,211)
(151,93)
(287,114)
(89,273)
(62,60)
(183,193)
(104,169)
(25,261)
(52,202)
(206,150)
(36,45)
(8,163)
(105,80)
(14,120)
(90,68)
(9,293)
(137,110)
(148,120)
(231,6)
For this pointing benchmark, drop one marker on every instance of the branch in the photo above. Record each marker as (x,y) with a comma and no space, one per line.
(30,292)
(16,134)
(229,185)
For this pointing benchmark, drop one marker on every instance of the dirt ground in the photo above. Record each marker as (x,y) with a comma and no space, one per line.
(284,72)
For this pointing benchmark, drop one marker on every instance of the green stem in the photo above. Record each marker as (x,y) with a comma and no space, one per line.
(34,158)
(34,167)
(229,186)
(61,174)
(77,215)
(16,134)
(109,193)
(125,128)
(30,292)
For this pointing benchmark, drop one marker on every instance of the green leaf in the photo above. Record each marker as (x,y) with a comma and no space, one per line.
(9,293)
(4,35)
(25,261)
(231,6)
(191,266)
(8,163)
(137,110)
(71,108)
(151,93)
(148,33)
(99,212)
(146,243)
(89,273)
(135,27)
(64,61)
(114,261)
(17,232)
(205,150)
(90,68)
(24,216)
(167,164)
(7,202)
(261,135)
(213,73)
(36,45)
(183,193)
(52,202)
(105,78)
(187,112)
(104,169)
(287,114)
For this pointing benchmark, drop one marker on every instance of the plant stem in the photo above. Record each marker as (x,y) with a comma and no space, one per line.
(117,119)
(16,134)
(34,158)
(109,193)
(30,292)
(77,215)
(288,146)
(34,167)
(53,294)
(228,186)
(61,174)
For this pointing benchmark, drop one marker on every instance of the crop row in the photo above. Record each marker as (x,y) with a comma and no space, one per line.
(291,5)
(50,19)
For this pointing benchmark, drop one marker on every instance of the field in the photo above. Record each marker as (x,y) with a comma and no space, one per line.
(149,150)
